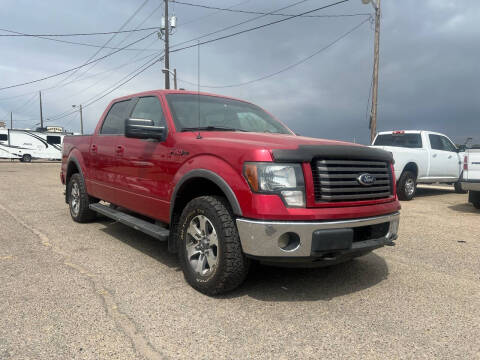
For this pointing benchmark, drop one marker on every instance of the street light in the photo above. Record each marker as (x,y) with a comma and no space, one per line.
(81,117)
(174,74)
(365,2)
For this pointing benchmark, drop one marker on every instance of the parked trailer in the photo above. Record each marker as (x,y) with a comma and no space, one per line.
(26,145)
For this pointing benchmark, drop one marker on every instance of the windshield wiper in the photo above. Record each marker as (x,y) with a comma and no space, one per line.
(210,128)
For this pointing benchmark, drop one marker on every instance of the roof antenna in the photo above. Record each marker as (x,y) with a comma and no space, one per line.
(199,136)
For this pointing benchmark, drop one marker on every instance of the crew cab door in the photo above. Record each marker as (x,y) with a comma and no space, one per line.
(144,172)
(103,152)
(444,160)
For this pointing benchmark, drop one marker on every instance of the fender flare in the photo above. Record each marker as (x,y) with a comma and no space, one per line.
(77,163)
(74,160)
(213,177)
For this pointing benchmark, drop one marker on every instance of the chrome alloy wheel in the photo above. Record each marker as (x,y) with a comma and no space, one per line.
(202,245)
(75,198)
(410,187)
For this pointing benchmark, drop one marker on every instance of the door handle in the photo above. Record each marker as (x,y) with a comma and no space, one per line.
(450,157)
(434,155)
(120,149)
(93,148)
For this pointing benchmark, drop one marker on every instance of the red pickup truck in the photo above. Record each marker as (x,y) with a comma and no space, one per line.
(226,183)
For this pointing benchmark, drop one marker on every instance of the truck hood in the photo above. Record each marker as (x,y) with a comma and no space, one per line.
(285,148)
(266,141)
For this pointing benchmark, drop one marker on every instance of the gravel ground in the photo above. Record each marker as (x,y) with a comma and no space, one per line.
(104,291)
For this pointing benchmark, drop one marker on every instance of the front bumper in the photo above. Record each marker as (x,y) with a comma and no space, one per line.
(470,185)
(316,240)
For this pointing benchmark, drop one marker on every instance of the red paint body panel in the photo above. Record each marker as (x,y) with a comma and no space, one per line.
(141,175)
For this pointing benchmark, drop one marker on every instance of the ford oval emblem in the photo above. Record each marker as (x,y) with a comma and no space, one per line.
(366,179)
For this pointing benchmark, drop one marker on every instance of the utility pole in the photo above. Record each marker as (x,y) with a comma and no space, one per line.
(175,79)
(373,111)
(167,57)
(11,120)
(41,111)
(81,117)
(81,120)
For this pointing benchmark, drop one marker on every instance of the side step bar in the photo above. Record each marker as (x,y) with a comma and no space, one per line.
(146,227)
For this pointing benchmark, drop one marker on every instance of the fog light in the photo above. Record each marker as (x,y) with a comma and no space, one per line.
(294,198)
(289,241)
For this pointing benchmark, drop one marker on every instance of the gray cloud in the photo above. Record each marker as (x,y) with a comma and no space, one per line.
(429,73)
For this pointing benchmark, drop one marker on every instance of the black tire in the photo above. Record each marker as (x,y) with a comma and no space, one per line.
(404,190)
(83,213)
(476,204)
(458,188)
(231,267)
(26,158)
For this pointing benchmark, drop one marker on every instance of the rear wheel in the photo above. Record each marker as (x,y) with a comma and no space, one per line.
(26,158)
(209,246)
(458,188)
(407,186)
(79,200)
(476,204)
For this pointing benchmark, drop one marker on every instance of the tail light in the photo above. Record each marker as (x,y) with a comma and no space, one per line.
(465,163)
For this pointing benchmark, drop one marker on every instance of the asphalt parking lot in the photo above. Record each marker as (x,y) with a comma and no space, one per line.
(105,291)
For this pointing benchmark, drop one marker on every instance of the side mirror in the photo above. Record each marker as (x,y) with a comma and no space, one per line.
(143,129)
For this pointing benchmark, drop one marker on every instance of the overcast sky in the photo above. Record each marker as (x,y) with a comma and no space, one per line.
(429,62)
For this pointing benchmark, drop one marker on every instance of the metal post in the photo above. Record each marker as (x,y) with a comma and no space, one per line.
(81,120)
(11,120)
(41,112)
(373,114)
(175,78)
(167,59)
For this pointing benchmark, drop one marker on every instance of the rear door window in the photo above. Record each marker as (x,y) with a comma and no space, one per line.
(114,122)
(400,140)
(3,137)
(149,108)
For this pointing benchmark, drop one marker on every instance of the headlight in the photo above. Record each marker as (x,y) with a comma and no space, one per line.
(285,180)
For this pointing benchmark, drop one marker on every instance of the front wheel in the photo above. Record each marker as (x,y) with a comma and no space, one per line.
(407,186)
(209,247)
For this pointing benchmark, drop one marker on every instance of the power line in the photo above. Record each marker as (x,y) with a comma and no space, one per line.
(209,15)
(29,101)
(77,67)
(240,23)
(257,27)
(75,42)
(118,84)
(289,66)
(133,61)
(110,39)
(20,34)
(267,13)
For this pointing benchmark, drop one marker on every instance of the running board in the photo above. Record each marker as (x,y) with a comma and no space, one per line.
(156,231)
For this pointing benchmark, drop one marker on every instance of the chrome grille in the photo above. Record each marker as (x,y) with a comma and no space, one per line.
(336,180)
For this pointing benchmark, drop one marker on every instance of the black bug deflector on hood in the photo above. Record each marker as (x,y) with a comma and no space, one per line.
(306,153)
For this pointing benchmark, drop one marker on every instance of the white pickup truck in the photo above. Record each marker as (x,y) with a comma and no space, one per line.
(421,157)
(471,176)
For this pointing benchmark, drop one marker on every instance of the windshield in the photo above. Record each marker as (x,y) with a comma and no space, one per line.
(191,111)
(399,140)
